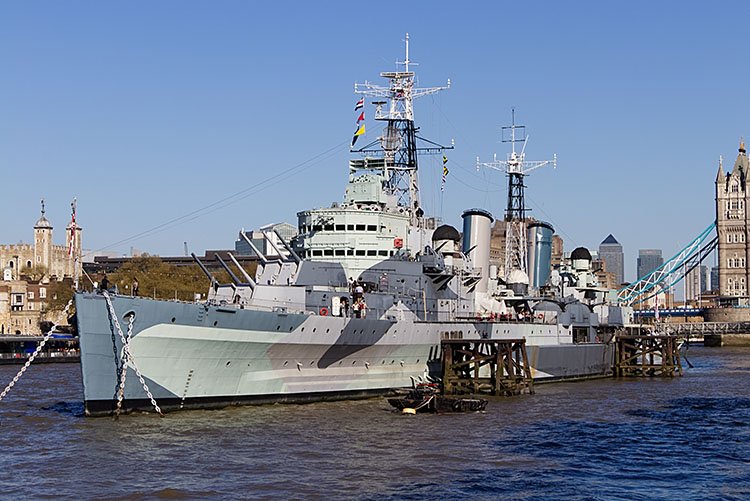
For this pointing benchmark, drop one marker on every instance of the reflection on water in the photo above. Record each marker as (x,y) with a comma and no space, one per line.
(607,439)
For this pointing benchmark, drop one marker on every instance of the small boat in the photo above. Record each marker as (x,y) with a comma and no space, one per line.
(426,397)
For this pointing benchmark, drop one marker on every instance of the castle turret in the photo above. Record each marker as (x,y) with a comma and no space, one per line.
(43,241)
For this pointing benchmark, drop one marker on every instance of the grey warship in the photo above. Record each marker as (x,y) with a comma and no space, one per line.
(290,333)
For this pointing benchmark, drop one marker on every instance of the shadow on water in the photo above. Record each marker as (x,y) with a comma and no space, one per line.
(71,408)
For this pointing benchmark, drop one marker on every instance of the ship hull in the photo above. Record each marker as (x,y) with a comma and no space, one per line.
(198,356)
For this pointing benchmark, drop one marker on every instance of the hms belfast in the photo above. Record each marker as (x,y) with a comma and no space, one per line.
(289,334)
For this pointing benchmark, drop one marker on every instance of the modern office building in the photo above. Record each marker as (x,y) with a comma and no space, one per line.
(648,261)
(284,230)
(715,278)
(610,251)
(697,282)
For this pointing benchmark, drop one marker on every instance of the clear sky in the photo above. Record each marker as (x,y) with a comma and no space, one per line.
(164,118)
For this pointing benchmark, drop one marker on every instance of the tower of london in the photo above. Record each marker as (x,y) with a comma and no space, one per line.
(56,261)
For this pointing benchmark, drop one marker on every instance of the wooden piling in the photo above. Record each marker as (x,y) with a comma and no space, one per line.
(647,355)
(490,366)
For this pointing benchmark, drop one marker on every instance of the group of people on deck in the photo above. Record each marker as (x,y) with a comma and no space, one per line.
(359,306)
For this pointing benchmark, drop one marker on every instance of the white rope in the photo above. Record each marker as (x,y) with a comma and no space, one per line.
(33,355)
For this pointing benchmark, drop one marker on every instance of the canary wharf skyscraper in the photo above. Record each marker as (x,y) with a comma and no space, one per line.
(610,251)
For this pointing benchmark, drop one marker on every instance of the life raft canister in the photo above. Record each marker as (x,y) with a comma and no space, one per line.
(323,312)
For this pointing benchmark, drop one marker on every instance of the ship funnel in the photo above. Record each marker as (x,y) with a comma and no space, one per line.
(477,229)
(539,252)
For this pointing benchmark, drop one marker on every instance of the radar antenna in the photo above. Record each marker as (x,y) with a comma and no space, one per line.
(398,146)
(516,167)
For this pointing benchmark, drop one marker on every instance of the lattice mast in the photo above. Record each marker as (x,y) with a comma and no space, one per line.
(516,167)
(398,144)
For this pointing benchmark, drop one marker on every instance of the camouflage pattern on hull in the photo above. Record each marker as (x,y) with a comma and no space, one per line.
(195,355)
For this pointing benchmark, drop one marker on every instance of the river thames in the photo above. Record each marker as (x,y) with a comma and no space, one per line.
(681,438)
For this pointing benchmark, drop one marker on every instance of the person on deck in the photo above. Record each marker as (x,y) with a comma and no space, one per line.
(104,284)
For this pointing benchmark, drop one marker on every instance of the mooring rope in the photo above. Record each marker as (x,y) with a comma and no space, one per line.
(34,355)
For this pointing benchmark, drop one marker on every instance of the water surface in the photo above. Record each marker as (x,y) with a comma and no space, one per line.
(681,438)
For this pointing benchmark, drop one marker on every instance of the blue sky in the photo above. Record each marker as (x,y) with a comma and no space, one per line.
(168,115)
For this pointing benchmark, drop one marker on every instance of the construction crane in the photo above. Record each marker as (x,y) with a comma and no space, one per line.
(516,167)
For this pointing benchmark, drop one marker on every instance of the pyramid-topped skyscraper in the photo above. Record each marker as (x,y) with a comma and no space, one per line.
(610,251)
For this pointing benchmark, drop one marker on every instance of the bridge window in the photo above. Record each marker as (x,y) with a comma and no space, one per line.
(372,227)
(372,253)
(360,227)
(340,252)
(349,252)
(349,227)
(340,227)
(317,253)
(328,227)
(360,252)
(317,227)
(735,188)
(328,252)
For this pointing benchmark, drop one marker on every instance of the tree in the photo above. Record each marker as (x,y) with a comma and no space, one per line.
(58,295)
(162,280)
(34,273)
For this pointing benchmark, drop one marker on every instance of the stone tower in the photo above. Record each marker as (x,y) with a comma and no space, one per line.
(42,241)
(732,226)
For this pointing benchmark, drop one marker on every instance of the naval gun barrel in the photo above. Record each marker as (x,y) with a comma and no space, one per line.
(273,244)
(249,280)
(261,256)
(203,268)
(288,248)
(224,265)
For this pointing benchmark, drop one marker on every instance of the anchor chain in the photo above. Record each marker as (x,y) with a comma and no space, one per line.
(127,355)
(34,355)
(118,362)
(123,371)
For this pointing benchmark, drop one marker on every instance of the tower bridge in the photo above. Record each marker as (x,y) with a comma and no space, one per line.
(729,235)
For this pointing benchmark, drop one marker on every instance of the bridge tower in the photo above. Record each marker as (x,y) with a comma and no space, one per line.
(732,228)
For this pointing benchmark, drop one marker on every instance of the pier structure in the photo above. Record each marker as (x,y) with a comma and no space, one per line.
(646,354)
(491,366)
